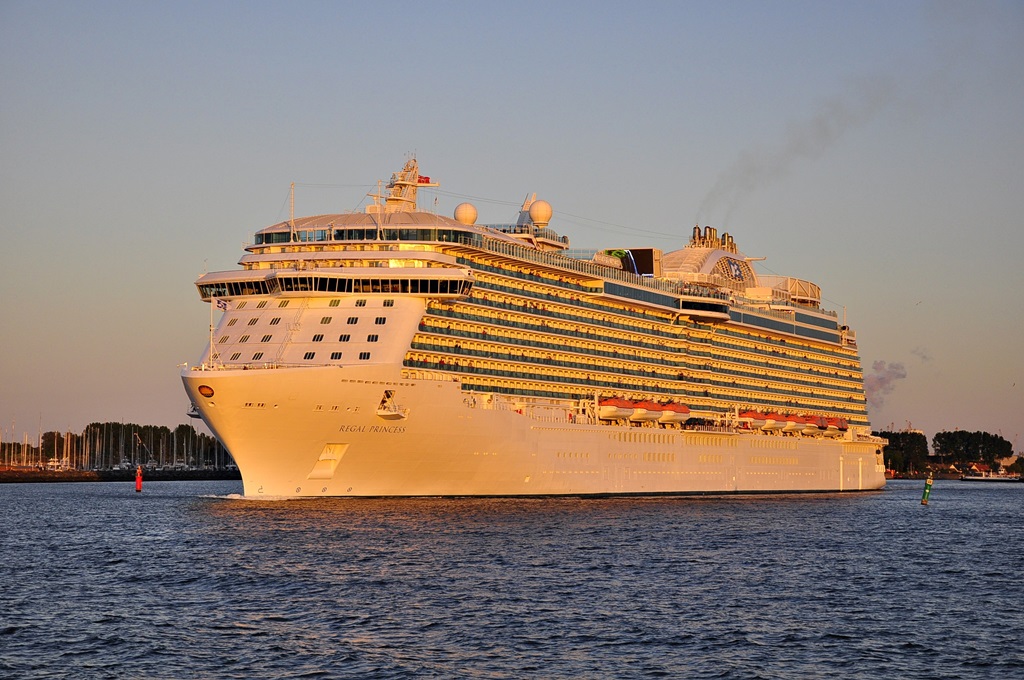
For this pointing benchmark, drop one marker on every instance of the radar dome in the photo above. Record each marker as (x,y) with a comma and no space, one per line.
(540,213)
(465,213)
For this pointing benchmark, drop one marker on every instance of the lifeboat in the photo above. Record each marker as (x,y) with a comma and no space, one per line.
(794,424)
(773,421)
(614,408)
(674,413)
(835,427)
(812,425)
(645,410)
(755,418)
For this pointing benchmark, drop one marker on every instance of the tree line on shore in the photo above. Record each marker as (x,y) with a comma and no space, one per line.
(907,452)
(109,445)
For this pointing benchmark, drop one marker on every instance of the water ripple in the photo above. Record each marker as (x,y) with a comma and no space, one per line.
(190,580)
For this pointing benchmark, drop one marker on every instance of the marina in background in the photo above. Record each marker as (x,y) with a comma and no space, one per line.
(113,451)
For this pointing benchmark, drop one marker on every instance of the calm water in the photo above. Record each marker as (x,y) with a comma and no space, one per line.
(186,581)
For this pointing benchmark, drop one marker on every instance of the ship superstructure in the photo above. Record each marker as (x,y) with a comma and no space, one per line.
(400,352)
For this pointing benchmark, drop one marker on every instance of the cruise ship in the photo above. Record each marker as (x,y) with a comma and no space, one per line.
(399,352)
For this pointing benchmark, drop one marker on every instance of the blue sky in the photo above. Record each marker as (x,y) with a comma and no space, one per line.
(873,148)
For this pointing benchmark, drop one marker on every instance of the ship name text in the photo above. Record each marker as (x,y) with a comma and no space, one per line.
(373,429)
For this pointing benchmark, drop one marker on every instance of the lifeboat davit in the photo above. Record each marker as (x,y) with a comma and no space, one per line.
(645,410)
(674,413)
(614,408)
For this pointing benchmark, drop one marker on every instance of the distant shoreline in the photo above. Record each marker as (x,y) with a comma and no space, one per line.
(22,475)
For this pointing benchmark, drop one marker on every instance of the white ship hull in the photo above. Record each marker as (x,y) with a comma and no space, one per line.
(318,431)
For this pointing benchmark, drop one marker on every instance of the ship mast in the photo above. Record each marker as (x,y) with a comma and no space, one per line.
(401,191)
(291,211)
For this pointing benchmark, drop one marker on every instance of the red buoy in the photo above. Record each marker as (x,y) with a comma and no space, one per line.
(138,479)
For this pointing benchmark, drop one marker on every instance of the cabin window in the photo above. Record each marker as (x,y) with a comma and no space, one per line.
(266,338)
(364,356)
(335,356)
(232,322)
(371,338)
(380,320)
(276,320)
(326,320)
(309,355)
(344,337)
(257,356)
(353,320)
(252,321)
(318,337)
